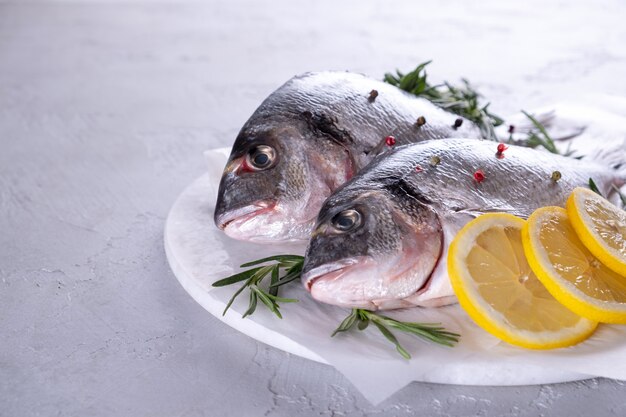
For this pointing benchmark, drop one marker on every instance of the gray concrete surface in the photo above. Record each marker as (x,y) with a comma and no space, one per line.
(105,109)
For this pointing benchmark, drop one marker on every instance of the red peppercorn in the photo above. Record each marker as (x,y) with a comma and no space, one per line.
(501,148)
(479,176)
(418,168)
(390,140)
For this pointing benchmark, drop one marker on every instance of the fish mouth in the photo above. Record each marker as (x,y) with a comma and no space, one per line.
(243,214)
(331,270)
(335,270)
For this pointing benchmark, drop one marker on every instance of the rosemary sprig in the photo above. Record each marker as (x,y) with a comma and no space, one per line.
(542,139)
(432,332)
(291,266)
(462,100)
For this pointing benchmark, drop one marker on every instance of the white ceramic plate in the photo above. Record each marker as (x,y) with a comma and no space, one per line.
(199,254)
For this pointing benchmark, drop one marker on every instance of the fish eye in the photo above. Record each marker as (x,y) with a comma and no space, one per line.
(347,220)
(261,157)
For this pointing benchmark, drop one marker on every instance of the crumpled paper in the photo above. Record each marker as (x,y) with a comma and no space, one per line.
(200,254)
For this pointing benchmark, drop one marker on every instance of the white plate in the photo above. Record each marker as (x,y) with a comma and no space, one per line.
(199,254)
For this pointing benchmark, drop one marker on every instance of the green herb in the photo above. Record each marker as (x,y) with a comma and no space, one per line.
(540,138)
(432,332)
(593,187)
(289,265)
(462,100)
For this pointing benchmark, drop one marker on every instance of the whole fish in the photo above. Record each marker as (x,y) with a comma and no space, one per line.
(381,240)
(309,137)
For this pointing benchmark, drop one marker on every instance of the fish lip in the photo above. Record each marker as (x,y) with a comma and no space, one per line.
(244,213)
(314,274)
(310,277)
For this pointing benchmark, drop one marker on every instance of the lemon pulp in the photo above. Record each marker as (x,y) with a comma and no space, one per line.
(601,226)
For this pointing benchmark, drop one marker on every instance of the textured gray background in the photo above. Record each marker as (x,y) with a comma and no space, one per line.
(105,109)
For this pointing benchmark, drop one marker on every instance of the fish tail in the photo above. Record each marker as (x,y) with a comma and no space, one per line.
(614,157)
(611,155)
(517,127)
(621,169)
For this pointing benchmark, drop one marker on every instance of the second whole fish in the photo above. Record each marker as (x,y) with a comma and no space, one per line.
(380,241)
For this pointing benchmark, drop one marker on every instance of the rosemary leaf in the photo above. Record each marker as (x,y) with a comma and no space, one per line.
(273,307)
(593,187)
(281,258)
(347,323)
(281,299)
(292,274)
(252,306)
(242,276)
(274,280)
(363,324)
(392,339)
(232,299)
(433,332)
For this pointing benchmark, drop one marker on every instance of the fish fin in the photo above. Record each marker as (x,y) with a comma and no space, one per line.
(442,301)
(455,207)
(613,156)
(473,213)
(559,128)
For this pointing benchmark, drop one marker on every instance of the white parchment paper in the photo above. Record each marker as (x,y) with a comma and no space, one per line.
(200,254)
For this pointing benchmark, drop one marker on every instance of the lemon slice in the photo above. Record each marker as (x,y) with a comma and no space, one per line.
(569,271)
(497,288)
(601,226)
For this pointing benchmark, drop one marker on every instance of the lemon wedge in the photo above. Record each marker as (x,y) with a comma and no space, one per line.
(571,273)
(601,226)
(497,288)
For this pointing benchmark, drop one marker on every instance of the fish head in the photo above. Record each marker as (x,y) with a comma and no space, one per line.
(372,246)
(276,178)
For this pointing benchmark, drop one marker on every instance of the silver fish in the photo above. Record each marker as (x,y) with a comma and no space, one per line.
(309,137)
(381,240)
